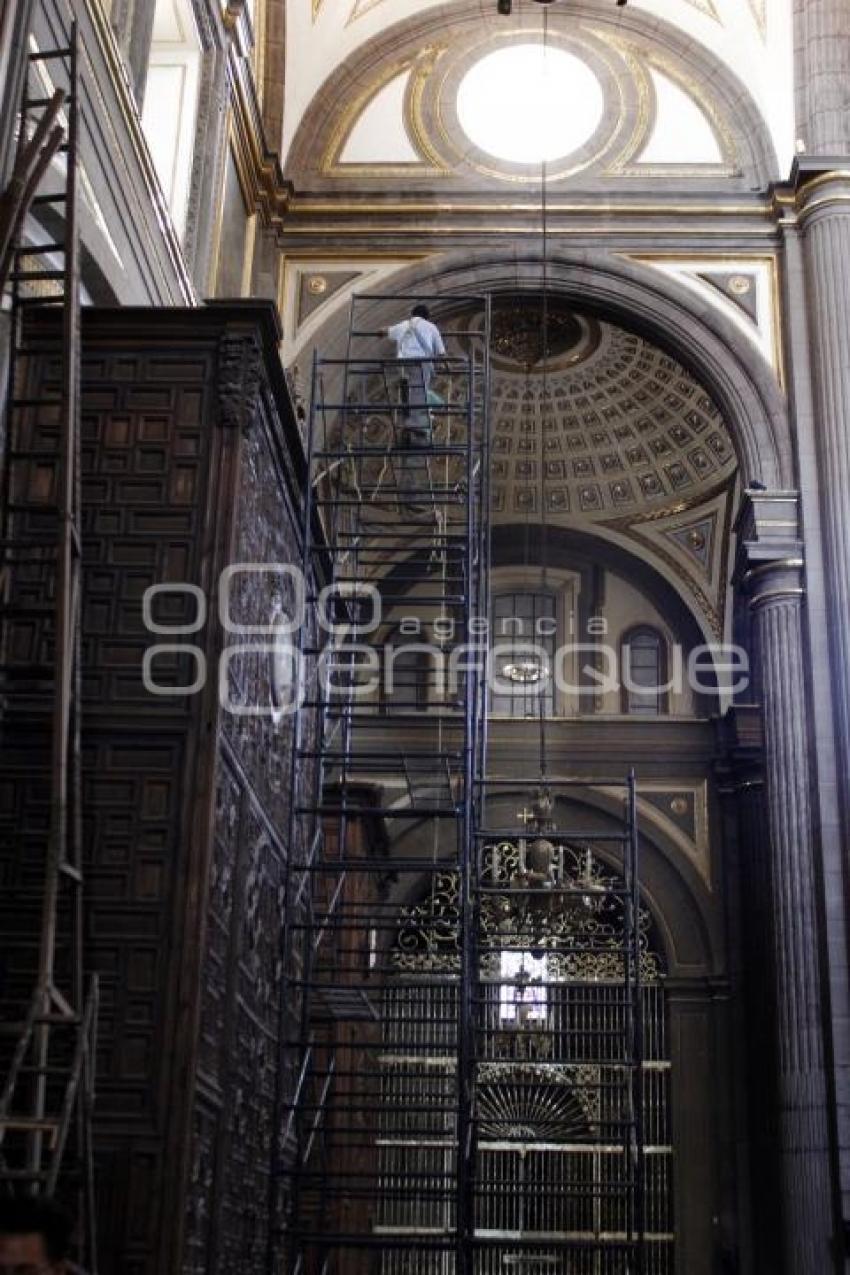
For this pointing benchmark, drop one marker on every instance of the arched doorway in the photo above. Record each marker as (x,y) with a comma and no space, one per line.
(754,424)
(552,1092)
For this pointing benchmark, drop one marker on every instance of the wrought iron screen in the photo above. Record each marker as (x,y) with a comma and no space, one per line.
(550,1086)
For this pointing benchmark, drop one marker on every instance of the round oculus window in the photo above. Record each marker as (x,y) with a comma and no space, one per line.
(527,103)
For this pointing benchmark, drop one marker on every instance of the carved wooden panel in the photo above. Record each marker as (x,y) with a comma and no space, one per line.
(190,453)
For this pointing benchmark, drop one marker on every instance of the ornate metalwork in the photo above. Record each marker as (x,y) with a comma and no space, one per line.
(518,332)
(588,913)
(538,1102)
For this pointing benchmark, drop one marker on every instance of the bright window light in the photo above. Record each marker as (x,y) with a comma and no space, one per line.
(528,103)
(523,998)
(169,114)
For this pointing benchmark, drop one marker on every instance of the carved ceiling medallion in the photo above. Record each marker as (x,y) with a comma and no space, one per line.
(520,342)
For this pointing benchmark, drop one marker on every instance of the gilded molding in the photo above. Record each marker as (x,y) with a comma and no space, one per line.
(646,104)
(740,262)
(463,151)
(772,594)
(731,164)
(420,65)
(829,201)
(592,205)
(696,849)
(759,12)
(822,179)
(264,187)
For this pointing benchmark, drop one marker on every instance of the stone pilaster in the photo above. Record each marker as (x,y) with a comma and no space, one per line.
(770,569)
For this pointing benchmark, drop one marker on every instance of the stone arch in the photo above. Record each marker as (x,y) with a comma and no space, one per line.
(678,900)
(660,308)
(694,64)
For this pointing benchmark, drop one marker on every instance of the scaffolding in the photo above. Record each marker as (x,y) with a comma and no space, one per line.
(46,1099)
(463,999)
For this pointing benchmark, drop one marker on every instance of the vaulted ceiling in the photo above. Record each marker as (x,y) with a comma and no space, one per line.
(750,38)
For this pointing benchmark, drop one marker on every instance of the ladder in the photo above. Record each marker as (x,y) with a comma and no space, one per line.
(47,1095)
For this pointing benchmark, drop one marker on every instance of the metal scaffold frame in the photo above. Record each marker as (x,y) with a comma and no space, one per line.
(46,1100)
(396,1037)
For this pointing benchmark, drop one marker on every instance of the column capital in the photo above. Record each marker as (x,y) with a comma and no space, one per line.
(770,557)
(821,184)
(807,170)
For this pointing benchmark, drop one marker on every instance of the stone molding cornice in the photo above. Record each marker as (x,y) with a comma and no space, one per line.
(807,169)
(264,187)
(816,183)
(770,558)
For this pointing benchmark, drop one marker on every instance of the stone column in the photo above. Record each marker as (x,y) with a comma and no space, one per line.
(770,569)
(740,785)
(819,310)
(822,57)
(824,215)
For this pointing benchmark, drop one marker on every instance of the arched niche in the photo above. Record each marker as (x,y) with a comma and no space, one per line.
(701,337)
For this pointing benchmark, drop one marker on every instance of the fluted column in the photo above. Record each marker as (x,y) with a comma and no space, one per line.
(822,65)
(805,1215)
(825,220)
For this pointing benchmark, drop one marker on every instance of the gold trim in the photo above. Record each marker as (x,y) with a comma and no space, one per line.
(248,254)
(363,262)
(530,172)
(697,851)
(260,25)
(728,149)
(759,13)
(264,188)
(829,201)
(629,527)
(591,206)
(339,254)
(645,115)
(489,230)
(414,118)
(761,598)
(722,488)
(359,12)
(762,258)
(700,256)
(822,179)
(706,7)
(777,564)
(345,122)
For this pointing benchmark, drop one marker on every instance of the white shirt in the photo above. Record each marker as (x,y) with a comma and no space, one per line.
(417,338)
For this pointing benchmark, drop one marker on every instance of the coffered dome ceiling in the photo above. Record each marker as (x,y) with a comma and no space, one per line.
(605,426)
(596,430)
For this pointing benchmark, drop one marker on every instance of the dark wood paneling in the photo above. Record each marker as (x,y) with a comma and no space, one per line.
(191,461)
